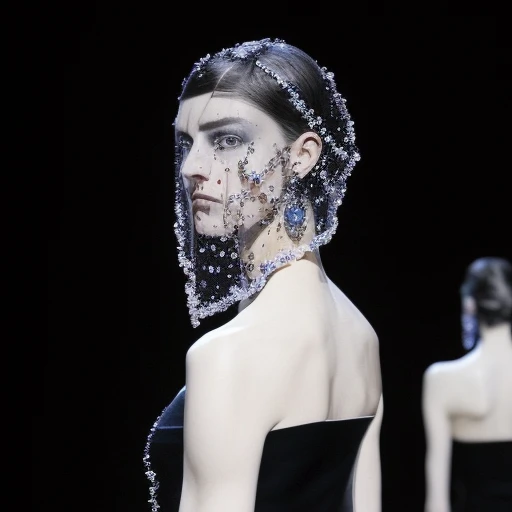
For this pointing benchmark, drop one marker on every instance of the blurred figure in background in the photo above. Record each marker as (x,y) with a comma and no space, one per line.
(467,402)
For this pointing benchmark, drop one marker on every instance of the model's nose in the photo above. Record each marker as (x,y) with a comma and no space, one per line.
(195,167)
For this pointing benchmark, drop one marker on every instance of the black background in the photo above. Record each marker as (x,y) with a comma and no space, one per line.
(430,98)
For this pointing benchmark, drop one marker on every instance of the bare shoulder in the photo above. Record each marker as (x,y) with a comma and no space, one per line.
(359,351)
(219,354)
(238,370)
(229,411)
(438,375)
(233,347)
(448,383)
(246,352)
(353,318)
(355,326)
(444,371)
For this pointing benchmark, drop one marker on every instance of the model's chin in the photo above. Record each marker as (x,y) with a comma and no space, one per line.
(207,226)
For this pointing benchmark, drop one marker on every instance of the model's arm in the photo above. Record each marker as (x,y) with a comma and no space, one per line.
(225,425)
(438,440)
(367,479)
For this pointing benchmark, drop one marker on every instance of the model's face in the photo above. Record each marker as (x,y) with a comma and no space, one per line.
(232,162)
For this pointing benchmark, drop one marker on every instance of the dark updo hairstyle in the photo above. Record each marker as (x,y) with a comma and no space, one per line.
(243,79)
(488,281)
(255,72)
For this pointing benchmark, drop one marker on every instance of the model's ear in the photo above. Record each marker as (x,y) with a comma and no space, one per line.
(305,152)
(469,305)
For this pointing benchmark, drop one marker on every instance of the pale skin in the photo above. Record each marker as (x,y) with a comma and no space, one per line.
(299,352)
(467,399)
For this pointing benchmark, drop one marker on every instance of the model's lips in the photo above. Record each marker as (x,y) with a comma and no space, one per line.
(203,197)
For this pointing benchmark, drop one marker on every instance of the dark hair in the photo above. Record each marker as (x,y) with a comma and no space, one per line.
(300,96)
(242,78)
(488,281)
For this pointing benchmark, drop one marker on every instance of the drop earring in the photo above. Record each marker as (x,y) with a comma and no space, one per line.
(470,331)
(295,219)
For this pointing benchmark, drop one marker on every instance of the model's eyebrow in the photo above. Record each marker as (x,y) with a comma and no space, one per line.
(218,123)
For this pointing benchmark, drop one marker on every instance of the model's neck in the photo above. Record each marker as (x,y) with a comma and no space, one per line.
(293,278)
(262,244)
(496,337)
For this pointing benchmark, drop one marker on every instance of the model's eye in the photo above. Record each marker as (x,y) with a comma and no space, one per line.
(228,142)
(184,144)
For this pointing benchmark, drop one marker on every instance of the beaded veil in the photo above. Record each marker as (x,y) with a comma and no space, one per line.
(219,273)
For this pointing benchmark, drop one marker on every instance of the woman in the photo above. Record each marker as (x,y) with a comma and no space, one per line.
(467,405)
(283,399)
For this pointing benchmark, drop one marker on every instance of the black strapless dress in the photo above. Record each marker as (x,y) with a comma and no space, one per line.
(305,468)
(481,476)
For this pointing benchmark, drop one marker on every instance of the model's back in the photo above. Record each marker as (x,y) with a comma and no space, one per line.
(482,408)
(320,359)
(329,350)
(301,352)
(467,405)
(481,450)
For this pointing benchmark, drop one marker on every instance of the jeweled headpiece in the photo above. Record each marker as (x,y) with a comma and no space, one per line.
(217,276)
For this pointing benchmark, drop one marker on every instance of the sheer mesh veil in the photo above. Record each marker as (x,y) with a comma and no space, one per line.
(265,207)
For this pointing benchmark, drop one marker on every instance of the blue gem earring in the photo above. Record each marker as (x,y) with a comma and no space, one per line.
(295,221)
(470,331)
